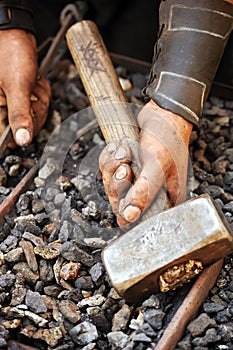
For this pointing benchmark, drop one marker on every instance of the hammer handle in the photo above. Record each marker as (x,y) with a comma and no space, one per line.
(106,96)
(101,83)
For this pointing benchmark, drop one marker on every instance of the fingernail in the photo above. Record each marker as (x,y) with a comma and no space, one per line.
(131,213)
(121,153)
(22,137)
(121,172)
(34,98)
(111,148)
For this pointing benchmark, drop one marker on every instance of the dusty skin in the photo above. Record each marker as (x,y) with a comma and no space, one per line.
(24,96)
(163,152)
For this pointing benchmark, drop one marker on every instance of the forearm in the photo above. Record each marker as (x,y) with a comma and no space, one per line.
(17,14)
(187,54)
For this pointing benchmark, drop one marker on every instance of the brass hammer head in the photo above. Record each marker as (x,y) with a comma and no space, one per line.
(168,249)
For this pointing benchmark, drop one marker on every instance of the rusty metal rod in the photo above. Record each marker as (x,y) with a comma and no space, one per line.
(68,15)
(189,308)
(5,138)
(9,202)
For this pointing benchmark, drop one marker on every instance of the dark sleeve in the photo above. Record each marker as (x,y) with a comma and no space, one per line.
(16,14)
(193,35)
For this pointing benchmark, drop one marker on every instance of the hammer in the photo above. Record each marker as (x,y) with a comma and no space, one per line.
(167,248)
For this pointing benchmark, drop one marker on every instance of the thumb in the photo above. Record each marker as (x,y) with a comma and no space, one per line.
(19,115)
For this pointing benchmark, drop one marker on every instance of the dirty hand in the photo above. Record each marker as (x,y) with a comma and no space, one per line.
(24,97)
(163,152)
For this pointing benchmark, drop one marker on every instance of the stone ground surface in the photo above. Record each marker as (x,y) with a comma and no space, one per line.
(54,291)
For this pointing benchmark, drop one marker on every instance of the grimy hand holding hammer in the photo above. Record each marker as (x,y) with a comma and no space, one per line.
(191,40)
(190,44)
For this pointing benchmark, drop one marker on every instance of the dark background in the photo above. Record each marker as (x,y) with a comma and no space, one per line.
(128,27)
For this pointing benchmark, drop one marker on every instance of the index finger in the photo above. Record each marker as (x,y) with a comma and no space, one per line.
(19,115)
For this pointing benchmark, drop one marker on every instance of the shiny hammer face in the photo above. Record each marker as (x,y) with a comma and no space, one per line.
(168,249)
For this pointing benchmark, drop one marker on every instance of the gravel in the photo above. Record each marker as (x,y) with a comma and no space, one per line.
(54,291)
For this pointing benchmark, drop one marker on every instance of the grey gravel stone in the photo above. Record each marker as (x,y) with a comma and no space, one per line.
(121,318)
(99,319)
(14,255)
(141,337)
(65,231)
(4,190)
(23,202)
(8,244)
(14,170)
(24,269)
(37,206)
(185,343)
(51,336)
(7,280)
(97,273)
(211,336)
(70,251)
(154,318)
(83,333)
(152,302)
(147,329)
(3,342)
(52,290)
(70,311)
(95,300)
(84,282)
(48,169)
(212,307)
(117,339)
(59,199)
(18,294)
(200,324)
(226,331)
(13,159)
(35,302)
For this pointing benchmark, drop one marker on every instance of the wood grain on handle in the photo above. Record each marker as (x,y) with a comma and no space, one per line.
(101,82)
(106,96)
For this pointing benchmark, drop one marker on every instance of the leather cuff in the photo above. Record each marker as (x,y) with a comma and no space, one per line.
(16,14)
(192,39)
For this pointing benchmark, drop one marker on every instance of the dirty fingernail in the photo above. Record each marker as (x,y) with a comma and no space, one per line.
(22,137)
(34,98)
(132,213)
(111,148)
(121,172)
(121,153)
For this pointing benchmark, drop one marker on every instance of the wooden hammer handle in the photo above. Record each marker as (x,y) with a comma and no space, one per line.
(106,96)
(101,83)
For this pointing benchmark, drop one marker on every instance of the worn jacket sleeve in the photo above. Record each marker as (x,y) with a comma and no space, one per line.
(192,38)
(16,14)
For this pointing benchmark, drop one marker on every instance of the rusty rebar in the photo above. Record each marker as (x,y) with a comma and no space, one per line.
(5,138)
(9,201)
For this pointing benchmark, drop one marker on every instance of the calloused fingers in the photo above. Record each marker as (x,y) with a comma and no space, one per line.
(140,195)
(159,169)
(119,185)
(110,159)
(117,174)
